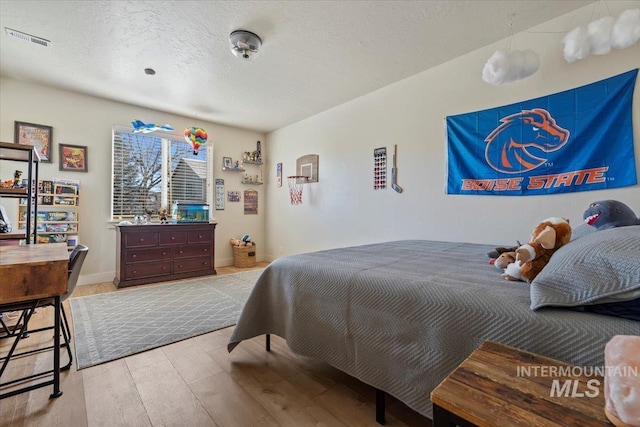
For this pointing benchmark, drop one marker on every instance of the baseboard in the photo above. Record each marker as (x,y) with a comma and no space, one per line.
(92,279)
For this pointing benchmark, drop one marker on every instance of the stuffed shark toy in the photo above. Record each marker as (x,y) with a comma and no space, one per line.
(606,214)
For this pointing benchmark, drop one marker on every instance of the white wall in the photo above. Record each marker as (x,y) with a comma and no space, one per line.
(84,120)
(343,209)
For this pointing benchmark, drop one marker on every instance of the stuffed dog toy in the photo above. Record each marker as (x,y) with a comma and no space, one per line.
(504,259)
(546,238)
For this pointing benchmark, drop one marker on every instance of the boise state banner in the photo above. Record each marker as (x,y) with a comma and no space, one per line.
(577,140)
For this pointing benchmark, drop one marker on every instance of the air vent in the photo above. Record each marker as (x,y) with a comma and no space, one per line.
(28,38)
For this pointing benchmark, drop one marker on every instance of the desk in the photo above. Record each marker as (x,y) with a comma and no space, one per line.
(486,391)
(30,274)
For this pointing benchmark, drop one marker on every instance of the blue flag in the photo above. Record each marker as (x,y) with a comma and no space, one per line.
(577,140)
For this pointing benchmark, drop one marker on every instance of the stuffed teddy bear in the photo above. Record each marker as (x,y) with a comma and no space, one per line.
(606,214)
(546,238)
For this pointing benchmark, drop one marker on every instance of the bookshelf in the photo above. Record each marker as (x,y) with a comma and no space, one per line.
(57,216)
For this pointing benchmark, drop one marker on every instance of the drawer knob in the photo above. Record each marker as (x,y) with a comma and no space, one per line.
(173,238)
(180,252)
(179,265)
(164,253)
(200,236)
(135,271)
(164,268)
(141,239)
(205,250)
(135,256)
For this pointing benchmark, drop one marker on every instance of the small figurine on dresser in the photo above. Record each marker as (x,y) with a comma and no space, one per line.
(147,216)
(163,216)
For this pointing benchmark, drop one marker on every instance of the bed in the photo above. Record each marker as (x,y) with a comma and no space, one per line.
(402,315)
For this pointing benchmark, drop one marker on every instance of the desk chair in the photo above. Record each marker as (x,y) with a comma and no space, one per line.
(76,259)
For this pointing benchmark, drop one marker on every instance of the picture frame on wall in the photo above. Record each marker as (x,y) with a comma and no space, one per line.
(40,136)
(73,158)
(279,174)
(227,162)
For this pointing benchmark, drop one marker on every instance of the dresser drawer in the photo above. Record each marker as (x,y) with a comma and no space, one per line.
(200,236)
(173,238)
(138,240)
(147,269)
(155,254)
(192,264)
(192,251)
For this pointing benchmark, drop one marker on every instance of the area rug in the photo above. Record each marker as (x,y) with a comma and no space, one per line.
(131,320)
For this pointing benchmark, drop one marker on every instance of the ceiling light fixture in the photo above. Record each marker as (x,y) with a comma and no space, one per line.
(149,71)
(244,44)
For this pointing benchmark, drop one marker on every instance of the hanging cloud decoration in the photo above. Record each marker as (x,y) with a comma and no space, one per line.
(626,31)
(603,34)
(505,67)
(600,35)
(576,45)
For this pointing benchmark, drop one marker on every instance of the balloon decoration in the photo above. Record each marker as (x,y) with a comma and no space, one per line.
(196,137)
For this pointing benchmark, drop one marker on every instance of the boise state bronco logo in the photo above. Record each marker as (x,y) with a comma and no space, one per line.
(509,145)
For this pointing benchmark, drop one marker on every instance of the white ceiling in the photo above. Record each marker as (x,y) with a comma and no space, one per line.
(315,54)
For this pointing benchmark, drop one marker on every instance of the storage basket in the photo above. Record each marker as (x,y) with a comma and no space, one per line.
(244,256)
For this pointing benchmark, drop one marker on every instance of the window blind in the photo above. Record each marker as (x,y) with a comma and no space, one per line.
(150,172)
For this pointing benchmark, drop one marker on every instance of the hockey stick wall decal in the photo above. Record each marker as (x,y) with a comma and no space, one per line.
(394,172)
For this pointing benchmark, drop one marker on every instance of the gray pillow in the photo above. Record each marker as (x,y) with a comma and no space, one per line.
(581,230)
(589,270)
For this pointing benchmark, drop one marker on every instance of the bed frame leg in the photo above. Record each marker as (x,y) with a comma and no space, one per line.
(268,342)
(381,398)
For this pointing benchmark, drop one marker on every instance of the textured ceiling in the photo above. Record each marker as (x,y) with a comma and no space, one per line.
(315,54)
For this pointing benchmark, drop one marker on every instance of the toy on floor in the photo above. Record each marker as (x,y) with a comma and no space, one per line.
(547,237)
(243,241)
(606,214)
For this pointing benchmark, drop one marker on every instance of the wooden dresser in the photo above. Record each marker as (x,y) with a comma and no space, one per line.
(161,252)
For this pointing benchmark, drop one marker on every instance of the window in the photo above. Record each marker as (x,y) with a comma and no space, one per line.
(150,172)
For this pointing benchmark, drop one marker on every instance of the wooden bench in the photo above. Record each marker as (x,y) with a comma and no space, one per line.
(498,385)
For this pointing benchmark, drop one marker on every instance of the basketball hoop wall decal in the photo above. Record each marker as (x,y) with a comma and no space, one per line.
(296,184)
(307,165)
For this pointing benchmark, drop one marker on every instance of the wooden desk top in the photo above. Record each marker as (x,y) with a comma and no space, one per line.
(492,388)
(33,271)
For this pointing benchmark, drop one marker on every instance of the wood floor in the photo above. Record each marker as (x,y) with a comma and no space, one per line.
(195,382)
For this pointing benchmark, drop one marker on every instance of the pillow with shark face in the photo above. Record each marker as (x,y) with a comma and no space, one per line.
(606,214)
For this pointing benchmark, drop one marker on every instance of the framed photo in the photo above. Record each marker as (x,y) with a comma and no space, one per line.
(226,162)
(279,174)
(73,158)
(40,136)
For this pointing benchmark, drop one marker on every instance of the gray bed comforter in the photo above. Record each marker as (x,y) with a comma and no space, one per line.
(402,315)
